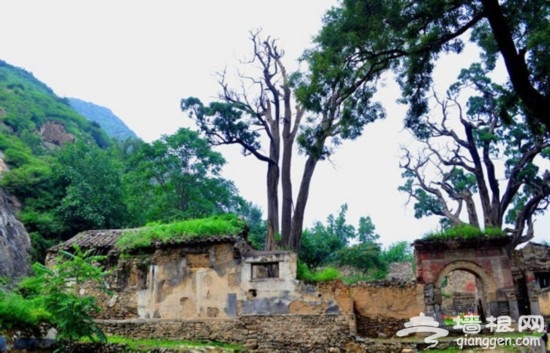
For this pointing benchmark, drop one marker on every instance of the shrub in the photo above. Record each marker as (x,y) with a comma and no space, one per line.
(464,231)
(17,312)
(323,275)
(51,296)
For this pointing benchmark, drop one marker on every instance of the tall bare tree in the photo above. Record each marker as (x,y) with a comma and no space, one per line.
(471,152)
(271,106)
(260,109)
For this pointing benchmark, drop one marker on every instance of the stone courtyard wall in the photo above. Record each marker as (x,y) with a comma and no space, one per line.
(261,333)
(381,308)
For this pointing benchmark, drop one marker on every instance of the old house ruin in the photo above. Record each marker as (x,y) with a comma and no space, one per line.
(218,288)
(207,277)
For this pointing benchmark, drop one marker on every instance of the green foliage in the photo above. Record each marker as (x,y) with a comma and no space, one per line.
(177,177)
(400,251)
(93,190)
(17,312)
(224,122)
(94,182)
(321,243)
(357,252)
(40,246)
(26,104)
(474,159)
(339,244)
(323,275)
(257,227)
(220,225)
(50,296)
(464,231)
(377,36)
(365,257)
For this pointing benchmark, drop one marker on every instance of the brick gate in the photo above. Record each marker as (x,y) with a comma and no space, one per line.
(485,258)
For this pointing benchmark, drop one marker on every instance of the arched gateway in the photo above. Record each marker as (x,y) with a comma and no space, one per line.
(485,258)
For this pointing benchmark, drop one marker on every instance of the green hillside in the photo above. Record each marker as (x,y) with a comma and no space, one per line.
(68,175)
(34,125)
(104,117)
(27,106)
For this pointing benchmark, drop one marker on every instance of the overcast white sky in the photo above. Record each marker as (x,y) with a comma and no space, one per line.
(139,58)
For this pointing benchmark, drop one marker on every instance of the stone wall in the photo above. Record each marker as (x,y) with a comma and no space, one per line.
(544,302)
(274,333)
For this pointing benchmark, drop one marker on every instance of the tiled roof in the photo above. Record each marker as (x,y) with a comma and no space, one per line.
(105,240)
(98,239)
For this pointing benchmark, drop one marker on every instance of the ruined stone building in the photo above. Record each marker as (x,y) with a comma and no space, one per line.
(218,288)
(531,273)
(208,277)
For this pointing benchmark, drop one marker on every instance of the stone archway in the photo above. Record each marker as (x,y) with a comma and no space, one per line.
(488,287)
(485,258)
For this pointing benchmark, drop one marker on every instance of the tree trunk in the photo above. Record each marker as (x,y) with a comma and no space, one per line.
(286,182)
(471,210)
(514,61)
(272,205)
(301,201)
(288,136)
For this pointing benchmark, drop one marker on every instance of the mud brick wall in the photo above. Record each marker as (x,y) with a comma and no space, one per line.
(382,307)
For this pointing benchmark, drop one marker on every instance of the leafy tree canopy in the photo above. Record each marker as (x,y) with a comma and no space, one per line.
(93,191)
(338,242)
(367,37)
(178,177)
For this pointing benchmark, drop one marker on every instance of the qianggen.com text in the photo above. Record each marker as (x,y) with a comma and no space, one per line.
(493,342)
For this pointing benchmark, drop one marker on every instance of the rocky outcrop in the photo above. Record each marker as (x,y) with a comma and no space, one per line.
(15,242)
(53,133)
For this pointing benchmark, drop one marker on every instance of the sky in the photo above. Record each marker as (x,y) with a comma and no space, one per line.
(140,58)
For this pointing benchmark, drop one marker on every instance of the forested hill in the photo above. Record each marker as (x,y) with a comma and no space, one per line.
(63,174)
(32,117)
(104,117)
(34,125)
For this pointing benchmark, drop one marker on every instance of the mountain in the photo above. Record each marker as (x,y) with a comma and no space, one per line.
(34,124)
(34,119)
(104,117)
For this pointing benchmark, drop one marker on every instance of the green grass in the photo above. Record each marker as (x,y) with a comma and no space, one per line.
(139,344)
(464,231)
(224,225)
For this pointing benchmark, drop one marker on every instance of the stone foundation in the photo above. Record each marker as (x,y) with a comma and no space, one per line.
(382,326)
(281,333)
